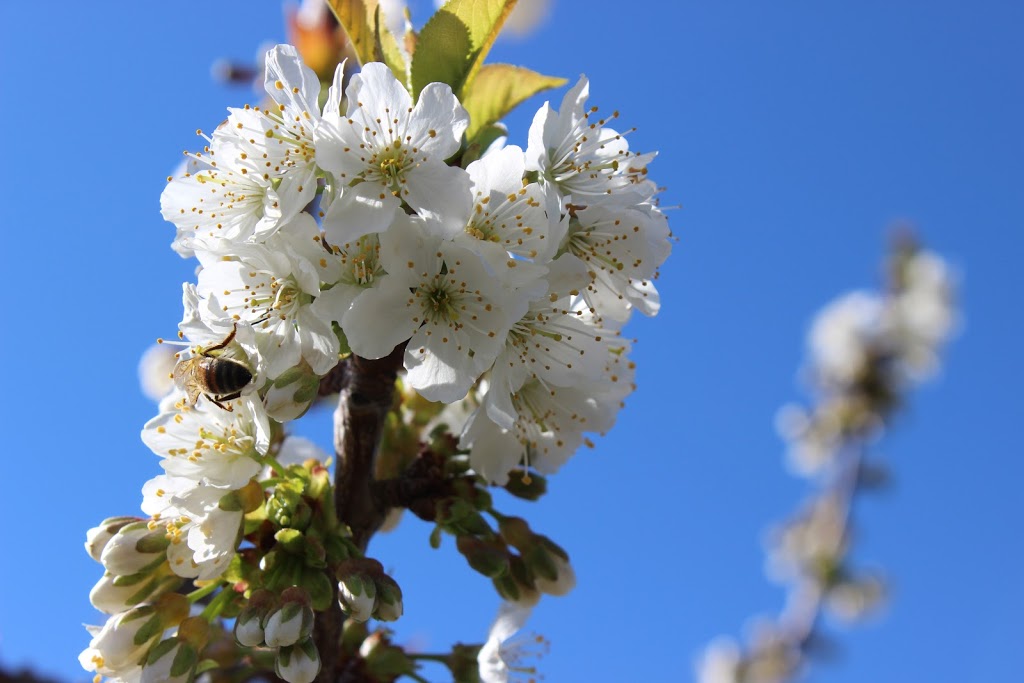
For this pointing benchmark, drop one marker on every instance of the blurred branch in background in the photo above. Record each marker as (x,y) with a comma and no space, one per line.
(867,350)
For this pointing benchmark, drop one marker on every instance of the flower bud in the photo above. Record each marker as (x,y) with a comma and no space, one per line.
(174,660)
(516,532)
(286,508)
(564,580)
(299,663)
(384,661)
(389,599)
(357,594)
(245,499)
(489,559)
(249,624)
(113,594)
(291,394)
(291,622)
(134,548)
(97,537)
(127,637)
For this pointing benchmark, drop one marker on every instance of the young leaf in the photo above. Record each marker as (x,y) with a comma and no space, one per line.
(453,44)
(480,142)
(356,17)
(498,89)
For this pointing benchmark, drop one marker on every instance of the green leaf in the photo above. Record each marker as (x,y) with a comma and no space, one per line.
(455,41)
(356,17)
(498,89)
(476,148)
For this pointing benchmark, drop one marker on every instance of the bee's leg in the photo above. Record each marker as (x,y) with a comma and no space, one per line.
(222,344)
(220,405)
(231,397)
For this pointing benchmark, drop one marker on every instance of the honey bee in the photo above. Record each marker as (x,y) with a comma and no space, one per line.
(216,378)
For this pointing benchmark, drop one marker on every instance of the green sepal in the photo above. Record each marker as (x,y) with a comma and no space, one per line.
(184,660)
(160,649)
(153,542)
(497,90)
(320,589)
(207,665)
(154,588)
(540,563)
(339,548)
(507,587)
(131,579)
(486,558)
(454,42)
(345,349)
(435,537)
(292,540)
(149,630)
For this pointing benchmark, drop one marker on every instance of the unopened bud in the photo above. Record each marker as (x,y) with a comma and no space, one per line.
(96,538)
(249,624)
(384,661)
(489,559)
(124,640)
(133,549)
(171,661)
(389,599)
(299,663)
(564,576)
(291,394)
(357,594)
(297,543)
(461,518)
(291,622)
(516,532)
(245,499)
(113,594)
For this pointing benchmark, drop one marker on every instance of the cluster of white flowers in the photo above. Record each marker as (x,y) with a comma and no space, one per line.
(865,348)
(508,281)
(324,230)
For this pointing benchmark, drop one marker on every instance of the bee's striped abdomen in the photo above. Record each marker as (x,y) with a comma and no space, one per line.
(223,376)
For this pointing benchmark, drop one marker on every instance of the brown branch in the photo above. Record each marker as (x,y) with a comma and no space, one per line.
(366,394)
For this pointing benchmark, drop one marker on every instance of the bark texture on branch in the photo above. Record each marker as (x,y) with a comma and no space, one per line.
(366,393)
(366,397)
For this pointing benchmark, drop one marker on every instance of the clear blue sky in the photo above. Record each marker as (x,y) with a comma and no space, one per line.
(793,134)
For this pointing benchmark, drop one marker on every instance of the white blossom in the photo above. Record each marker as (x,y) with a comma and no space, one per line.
(115,651)
(622,247)
(440,298)
(271,287)
(502,657)
(581,161)
(844,334)
(207,444)
(508,226)
(384,150)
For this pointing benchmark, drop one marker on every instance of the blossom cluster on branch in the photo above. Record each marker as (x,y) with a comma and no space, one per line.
(344,237)
(866,351)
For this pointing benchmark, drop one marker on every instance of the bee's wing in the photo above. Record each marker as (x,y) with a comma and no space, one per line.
(184,377)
